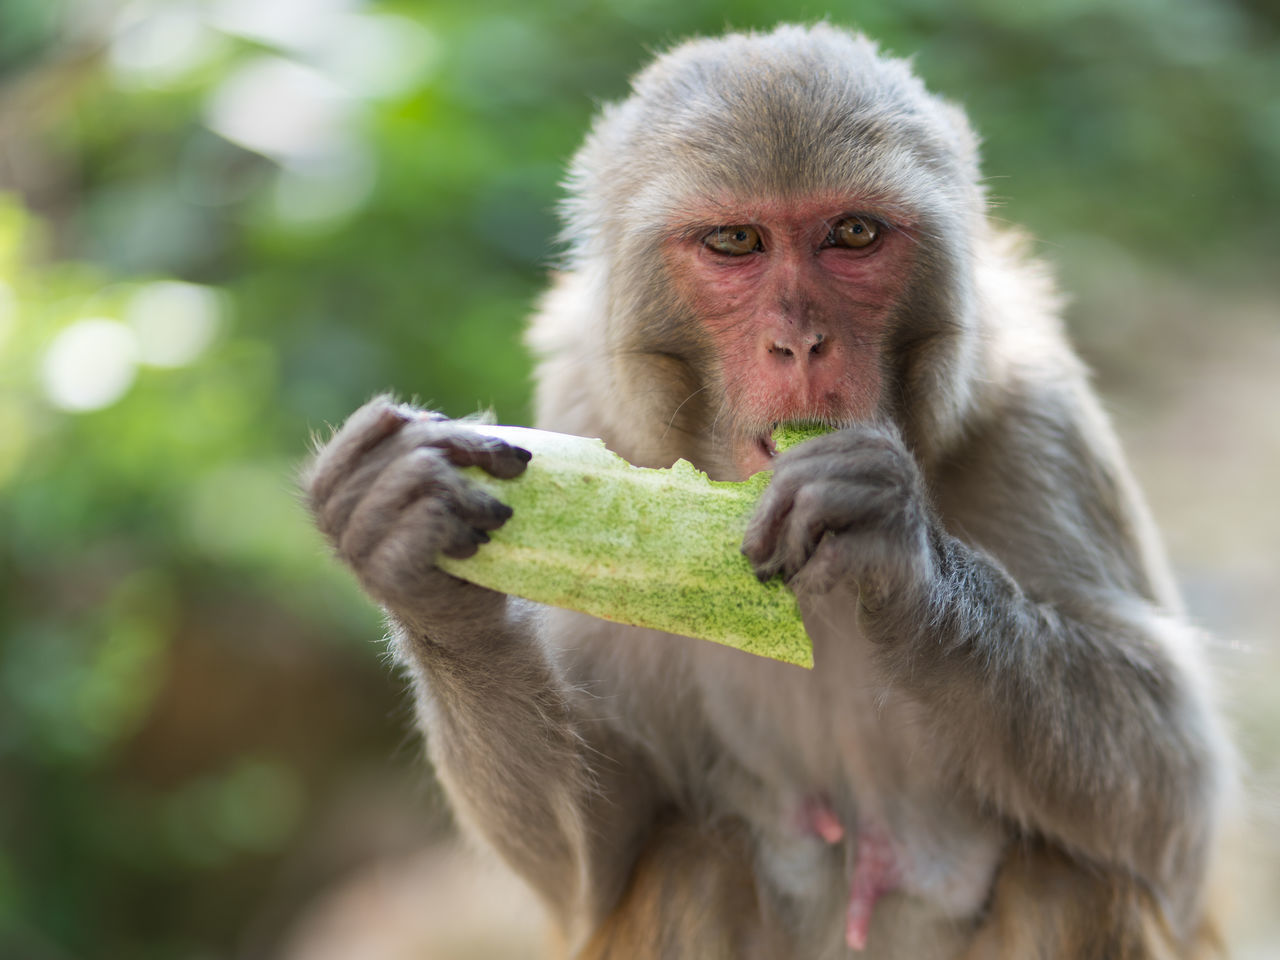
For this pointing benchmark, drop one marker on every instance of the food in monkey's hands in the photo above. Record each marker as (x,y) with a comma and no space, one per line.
(650,548)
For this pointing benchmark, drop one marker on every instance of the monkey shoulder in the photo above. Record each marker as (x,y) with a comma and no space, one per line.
(1040,482)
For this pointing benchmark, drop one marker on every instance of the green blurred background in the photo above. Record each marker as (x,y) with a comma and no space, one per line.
(226,223)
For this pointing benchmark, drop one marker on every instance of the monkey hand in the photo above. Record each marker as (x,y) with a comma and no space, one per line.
(387,492)
(847,505)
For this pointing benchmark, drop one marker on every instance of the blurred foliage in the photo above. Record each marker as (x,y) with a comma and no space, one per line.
(227,223)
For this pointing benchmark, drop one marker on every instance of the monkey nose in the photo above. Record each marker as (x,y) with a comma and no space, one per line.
(801,346)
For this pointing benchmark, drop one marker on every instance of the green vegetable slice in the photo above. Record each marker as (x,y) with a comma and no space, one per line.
(650,548)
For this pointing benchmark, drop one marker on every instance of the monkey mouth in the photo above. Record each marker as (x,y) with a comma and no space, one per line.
(756,454)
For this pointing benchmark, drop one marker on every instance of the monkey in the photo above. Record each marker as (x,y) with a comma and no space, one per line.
(1007,746)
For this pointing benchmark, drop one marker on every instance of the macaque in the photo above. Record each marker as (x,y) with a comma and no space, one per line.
(1006,747)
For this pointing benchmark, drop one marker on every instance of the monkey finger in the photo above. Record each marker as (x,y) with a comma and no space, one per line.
(401,569)
(761,538)
(334,514)
(439,478)
(465,544)
(885,559)
(836,559)
(431,474)
(432,527)
(784,546)
(789,479)
(466,448)
(869,464)
(364,430)
(864,452)
(824,569)
(373,507)
(421,474)
(795,498)
(831,506)
(482,511)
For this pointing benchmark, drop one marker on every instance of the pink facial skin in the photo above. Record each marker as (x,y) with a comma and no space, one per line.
(798,326)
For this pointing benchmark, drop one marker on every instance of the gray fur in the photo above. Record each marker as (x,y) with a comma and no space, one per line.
(1002,666)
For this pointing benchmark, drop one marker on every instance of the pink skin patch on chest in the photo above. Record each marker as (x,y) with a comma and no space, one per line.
(876,869)
(875,873)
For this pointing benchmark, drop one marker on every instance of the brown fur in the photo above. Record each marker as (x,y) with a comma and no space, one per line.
(692,897)
(1045,907)
(692,894)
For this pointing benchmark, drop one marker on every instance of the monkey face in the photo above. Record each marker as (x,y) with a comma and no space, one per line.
(794,238)
(793,300)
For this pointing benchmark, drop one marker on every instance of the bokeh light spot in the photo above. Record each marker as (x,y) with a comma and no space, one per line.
(286,24)
(378,55)
(280,109)
(156,47)
(174,321)
(90,364)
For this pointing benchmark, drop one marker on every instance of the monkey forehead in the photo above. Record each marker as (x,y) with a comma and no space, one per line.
(800,111)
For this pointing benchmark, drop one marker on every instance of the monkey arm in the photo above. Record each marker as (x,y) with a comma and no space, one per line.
(1020,609)
(562,796)
(1078,719)
(1054,660)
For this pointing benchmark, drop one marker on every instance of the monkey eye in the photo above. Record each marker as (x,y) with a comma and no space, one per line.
(855,233)
(733,241)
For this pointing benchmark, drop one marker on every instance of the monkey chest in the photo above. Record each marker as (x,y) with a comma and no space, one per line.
(842,786)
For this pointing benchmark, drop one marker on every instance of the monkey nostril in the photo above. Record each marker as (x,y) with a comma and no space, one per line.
(814,346)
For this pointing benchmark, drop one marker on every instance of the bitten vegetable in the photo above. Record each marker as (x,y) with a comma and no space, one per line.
(651,548)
